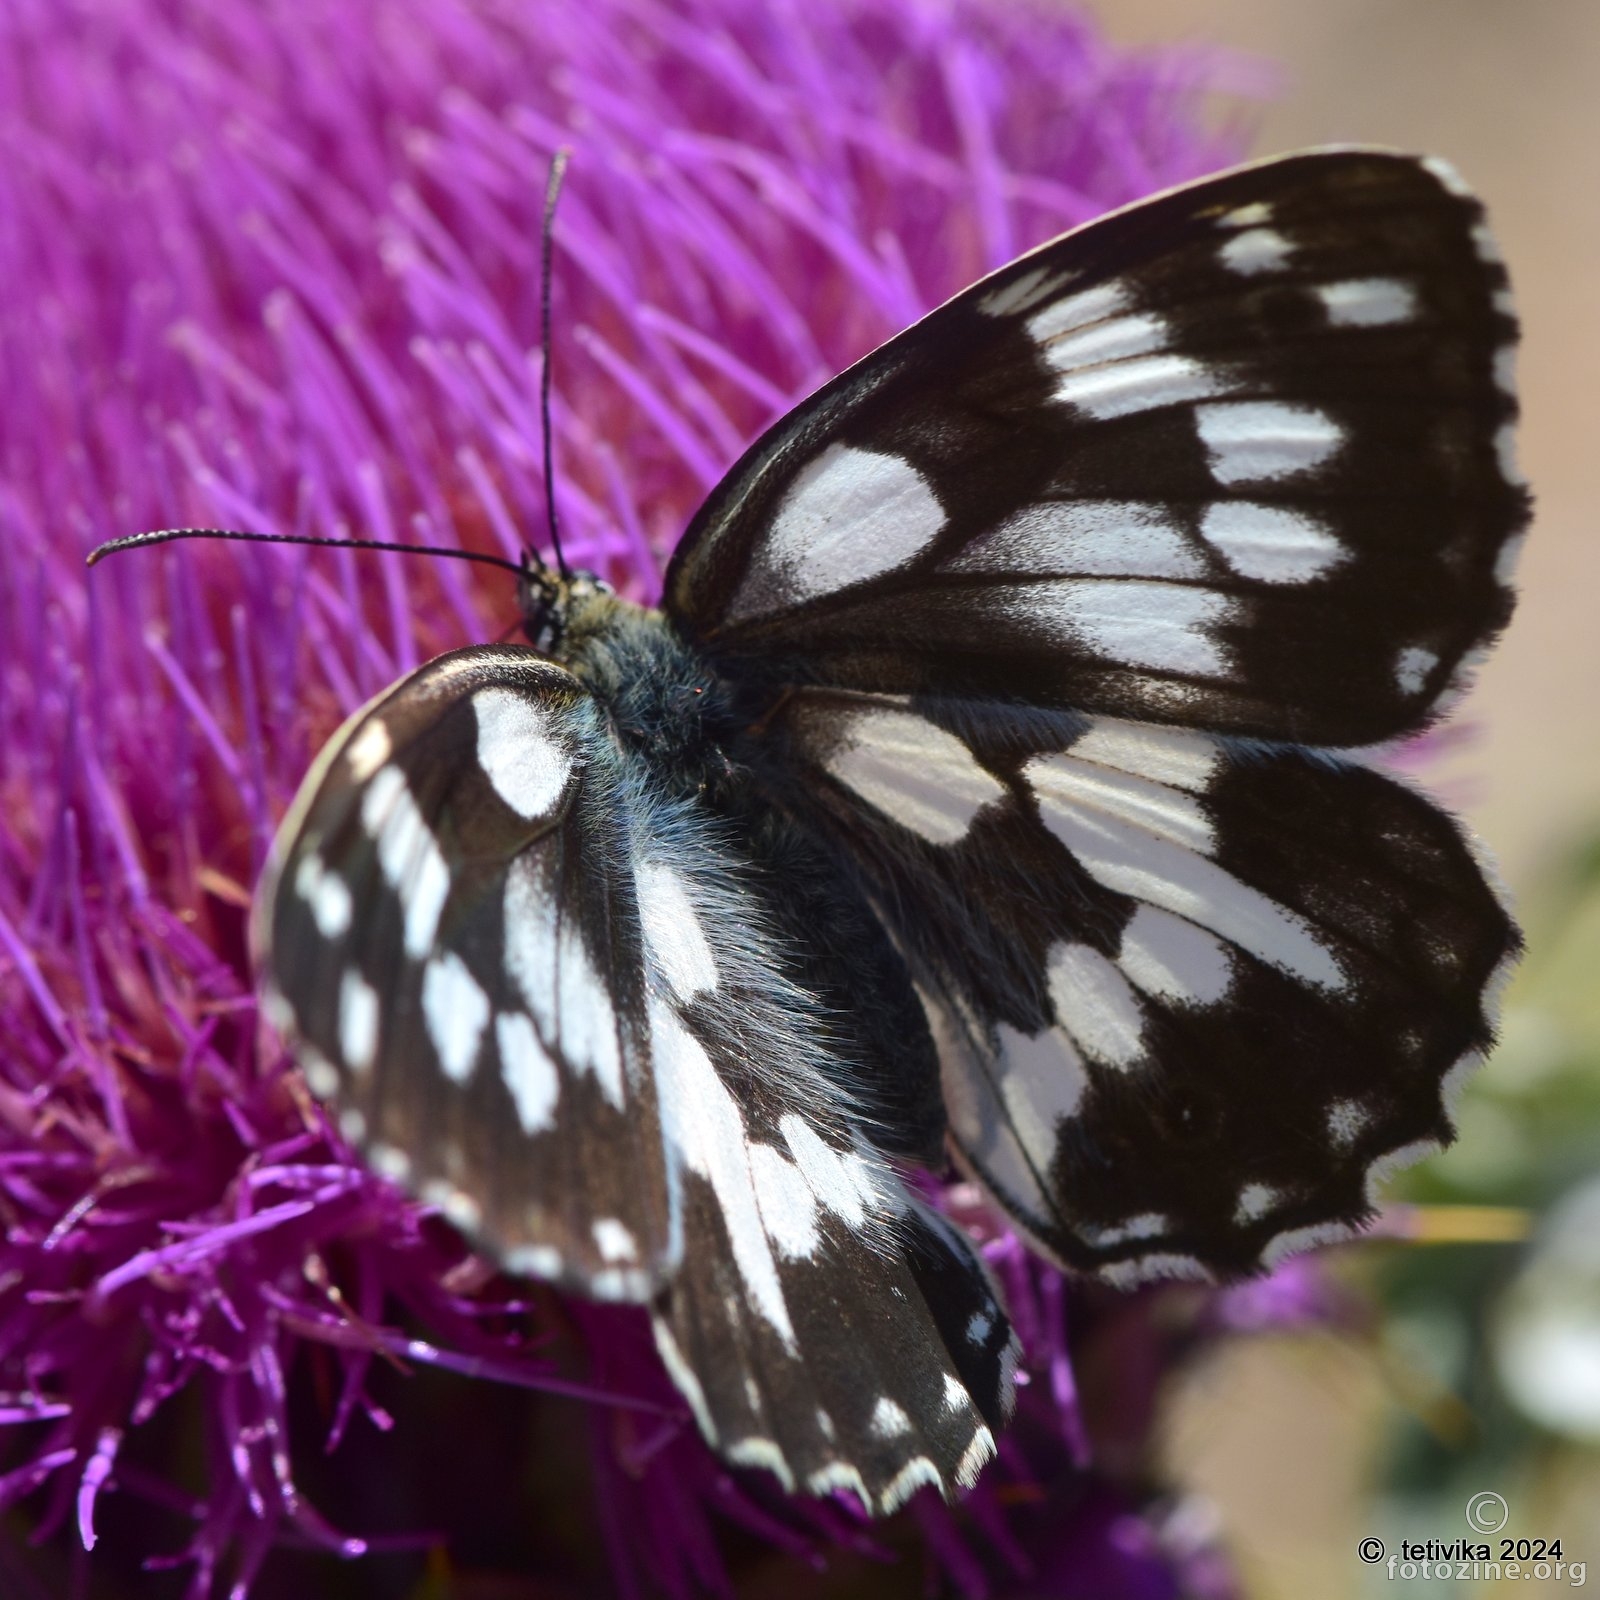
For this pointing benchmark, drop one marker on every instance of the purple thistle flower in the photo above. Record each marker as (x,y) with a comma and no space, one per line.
(274,266)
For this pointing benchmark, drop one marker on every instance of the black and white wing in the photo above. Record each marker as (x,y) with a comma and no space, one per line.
(450,941)
(1056,612)
(824,1324)
(541,995)
(1190,992)
(1234,458)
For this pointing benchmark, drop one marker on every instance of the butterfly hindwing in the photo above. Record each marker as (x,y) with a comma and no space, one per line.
(1234,458)
(824,1324)
(452,942)
(1190,991)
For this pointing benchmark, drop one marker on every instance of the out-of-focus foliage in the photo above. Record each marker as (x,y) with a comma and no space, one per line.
(1492,1349)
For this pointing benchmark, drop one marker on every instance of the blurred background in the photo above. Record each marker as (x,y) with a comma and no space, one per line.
(1481,1371)
(1457,1357)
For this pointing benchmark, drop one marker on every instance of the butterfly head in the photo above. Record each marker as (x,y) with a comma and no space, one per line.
(548,599)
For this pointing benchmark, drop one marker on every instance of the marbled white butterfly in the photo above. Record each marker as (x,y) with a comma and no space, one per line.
(996,784)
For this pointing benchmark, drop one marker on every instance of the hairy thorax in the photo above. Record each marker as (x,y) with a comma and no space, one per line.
(681,724)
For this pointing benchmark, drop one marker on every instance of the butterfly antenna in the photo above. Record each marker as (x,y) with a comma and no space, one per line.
(167,535)
(552,193)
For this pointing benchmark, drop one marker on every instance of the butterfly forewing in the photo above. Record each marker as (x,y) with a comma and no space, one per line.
(1235,458)
(451,939)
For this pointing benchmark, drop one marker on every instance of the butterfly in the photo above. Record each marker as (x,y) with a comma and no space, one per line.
(997,784)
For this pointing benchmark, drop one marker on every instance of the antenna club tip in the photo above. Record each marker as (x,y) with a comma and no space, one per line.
(101,551)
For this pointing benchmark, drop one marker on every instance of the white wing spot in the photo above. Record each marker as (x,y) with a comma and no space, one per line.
(758,1452)
(1484,243)
(462,1211)
(676,942)
(889,1420)
(913,771)
(1253,215)
(629,1285)
(1412,666)
(704,1125)
(1081,310)
(1166,812)
(1158,625)
(1347,1121)
(455,1010)
(390,1162)
(322,1077)
(408,856)
(1145,383)
(1110,538)
(277,1009)
(979,1328)
(788,1207)
(1505,454)
(539,1261)
(849,515)
(1115,339)
(614,1241)
(1174,960)
(358,1021)
(456,1207)
(1149,1268)
(1255,1201)
(956,1397)
(1022,294)
(527,1071)
(683,1377)
(1096,1005)
(839,1179)
(973,1459)
(1448,176)
(526,765)
(559,984)
(353,1125)
(368,750)
(1368,302)
(1505,369)
(1132,861)
(1042,1082)
(326,895)
(1147,1225)
(1264,441)
(1270,543)
(1173,756)
(839,1477)
(1254,251)
(587,1022)
(916,1473)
